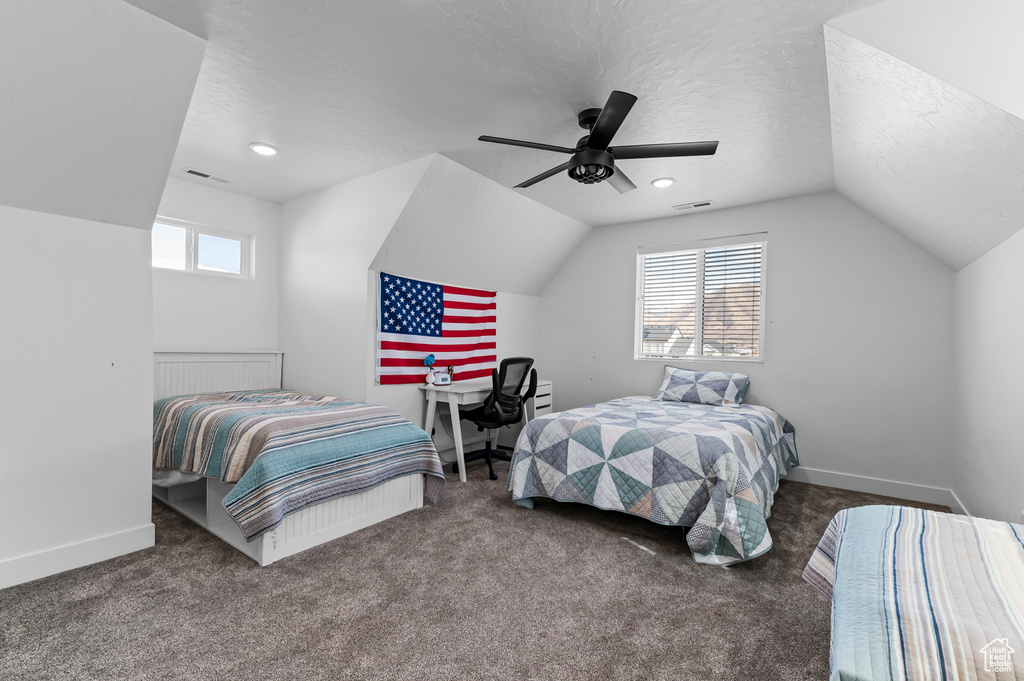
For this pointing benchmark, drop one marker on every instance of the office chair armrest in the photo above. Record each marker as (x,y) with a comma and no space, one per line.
(492,399)
(532,390)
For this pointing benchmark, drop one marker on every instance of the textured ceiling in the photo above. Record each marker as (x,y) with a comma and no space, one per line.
(935,163)
(346,88)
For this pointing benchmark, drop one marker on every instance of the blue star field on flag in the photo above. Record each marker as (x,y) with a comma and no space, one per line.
(410,307)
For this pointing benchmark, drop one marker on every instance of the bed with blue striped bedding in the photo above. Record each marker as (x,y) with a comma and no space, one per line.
(286,451)
(922,595)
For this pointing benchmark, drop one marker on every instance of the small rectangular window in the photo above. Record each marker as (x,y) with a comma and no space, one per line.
(188,247)
(170,246)
(219,254)
(704,301)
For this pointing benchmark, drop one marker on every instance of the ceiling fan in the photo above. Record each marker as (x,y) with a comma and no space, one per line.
(592,160)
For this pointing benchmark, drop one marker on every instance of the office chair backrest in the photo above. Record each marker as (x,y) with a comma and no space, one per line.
(508,381)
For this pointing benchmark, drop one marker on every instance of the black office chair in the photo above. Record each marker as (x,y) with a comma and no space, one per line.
(505,406)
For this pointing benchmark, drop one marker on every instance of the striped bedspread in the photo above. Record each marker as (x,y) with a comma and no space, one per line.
(922,595)
(285,451)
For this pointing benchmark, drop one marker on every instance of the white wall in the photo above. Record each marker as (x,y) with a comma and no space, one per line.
(95,95)
(76,406)
(210,313)
(858,341)
(328,240)
(989,454)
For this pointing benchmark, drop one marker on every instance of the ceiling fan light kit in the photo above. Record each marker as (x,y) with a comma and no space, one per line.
(593,161)
(591,166)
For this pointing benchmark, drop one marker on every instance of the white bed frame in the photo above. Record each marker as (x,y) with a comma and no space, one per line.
(178,373)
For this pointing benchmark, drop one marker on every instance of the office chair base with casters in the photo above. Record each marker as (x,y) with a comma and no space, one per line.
(487,453)
(505,406)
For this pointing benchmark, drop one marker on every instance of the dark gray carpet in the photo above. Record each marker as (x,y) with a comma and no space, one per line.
(474,588)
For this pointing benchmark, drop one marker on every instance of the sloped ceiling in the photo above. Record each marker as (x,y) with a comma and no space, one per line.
(349,88)
(459,221)
(974,46)
(346,88)
(94,96)
(937,164)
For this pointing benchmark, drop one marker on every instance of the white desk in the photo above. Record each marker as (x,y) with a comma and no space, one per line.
(473,391)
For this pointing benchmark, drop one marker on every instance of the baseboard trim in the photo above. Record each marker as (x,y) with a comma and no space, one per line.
(889,488)
(21,569)
(960,507)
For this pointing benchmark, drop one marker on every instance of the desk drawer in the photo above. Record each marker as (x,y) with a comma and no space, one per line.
(544,391)
(543,399)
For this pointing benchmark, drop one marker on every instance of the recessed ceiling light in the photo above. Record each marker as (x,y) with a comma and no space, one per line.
(264,149)
(663,182)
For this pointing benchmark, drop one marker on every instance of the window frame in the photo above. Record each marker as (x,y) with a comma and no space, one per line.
(701,245)
(193,230)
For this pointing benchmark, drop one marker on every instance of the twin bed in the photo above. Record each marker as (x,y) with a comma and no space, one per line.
(922,595)
(274,472)
(692,455)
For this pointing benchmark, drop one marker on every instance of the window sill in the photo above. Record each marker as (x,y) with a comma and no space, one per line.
(205,273)
(695,360)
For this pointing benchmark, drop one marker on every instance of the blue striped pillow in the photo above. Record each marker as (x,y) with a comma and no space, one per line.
(716,388)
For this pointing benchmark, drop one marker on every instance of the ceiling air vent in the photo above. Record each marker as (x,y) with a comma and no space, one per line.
(205,176)
(695,204)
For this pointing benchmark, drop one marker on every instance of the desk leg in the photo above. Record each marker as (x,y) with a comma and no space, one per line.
(453,404)
(428,423)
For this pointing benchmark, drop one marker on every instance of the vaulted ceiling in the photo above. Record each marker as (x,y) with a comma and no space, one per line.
(345,89)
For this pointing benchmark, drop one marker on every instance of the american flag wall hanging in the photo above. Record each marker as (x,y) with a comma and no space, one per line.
(416,318)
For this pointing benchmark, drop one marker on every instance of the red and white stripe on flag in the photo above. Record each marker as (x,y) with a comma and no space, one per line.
(418,318)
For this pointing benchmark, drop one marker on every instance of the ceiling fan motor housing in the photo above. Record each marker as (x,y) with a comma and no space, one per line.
(588,117)
(591,166)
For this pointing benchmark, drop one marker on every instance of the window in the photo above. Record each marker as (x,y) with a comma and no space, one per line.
(187,247)
(704,299)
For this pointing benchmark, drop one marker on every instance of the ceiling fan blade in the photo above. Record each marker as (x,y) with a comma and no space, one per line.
(543,176)
(528,145)
(664,150)
(621,182)
(612,115)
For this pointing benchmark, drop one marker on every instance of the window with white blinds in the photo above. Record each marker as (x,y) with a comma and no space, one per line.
(702,302)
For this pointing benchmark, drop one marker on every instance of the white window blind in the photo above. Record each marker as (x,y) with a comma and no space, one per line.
(701,302)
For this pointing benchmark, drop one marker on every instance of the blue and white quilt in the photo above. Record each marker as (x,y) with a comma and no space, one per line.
(922,596)
(714,469)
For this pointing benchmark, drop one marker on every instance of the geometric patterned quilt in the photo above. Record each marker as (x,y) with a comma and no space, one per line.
(712,469)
